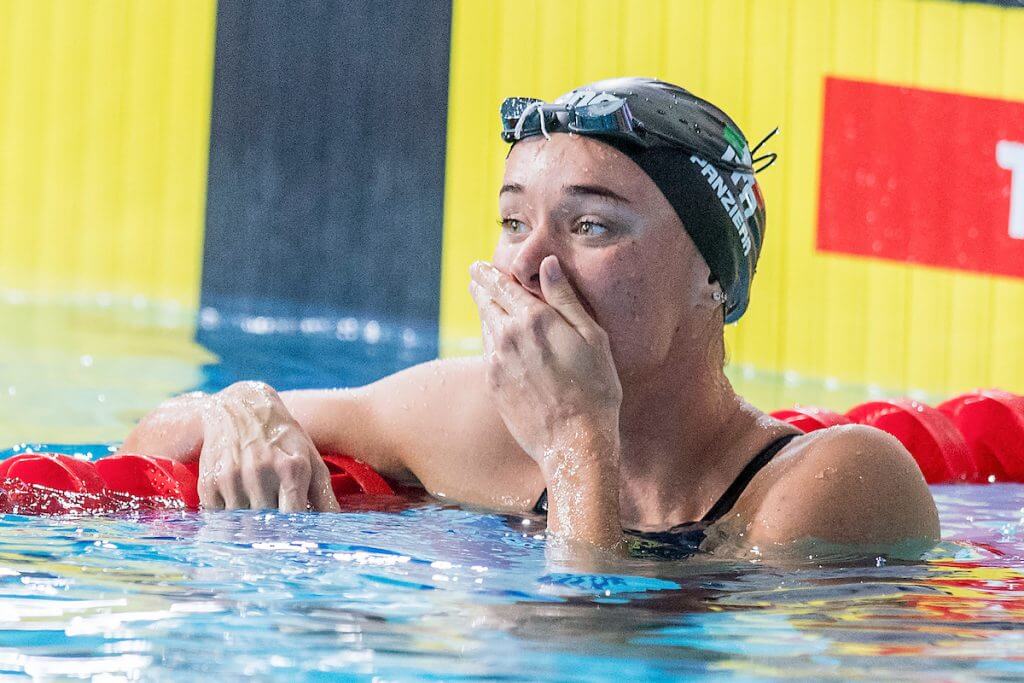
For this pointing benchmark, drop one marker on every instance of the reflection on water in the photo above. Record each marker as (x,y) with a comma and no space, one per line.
(437,589)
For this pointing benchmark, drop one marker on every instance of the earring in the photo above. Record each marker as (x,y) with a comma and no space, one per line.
(719,297)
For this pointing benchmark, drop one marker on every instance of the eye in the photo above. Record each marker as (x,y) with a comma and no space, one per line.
(512,226)
(591,229)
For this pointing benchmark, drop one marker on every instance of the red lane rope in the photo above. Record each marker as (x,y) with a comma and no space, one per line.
(977,437)
(53,483)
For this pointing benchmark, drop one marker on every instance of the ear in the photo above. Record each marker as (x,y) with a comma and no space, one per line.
(710,294)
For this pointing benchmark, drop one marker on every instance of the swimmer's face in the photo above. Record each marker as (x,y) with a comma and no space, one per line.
(619,241)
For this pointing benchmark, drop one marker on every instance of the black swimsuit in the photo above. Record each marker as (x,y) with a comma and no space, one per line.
(685,539)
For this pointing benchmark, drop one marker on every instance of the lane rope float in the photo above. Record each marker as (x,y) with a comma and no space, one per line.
(976,437)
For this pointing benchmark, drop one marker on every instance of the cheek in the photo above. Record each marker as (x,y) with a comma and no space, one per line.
(642,300)
(633,298)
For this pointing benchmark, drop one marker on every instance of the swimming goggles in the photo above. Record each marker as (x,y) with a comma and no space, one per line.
(609,116)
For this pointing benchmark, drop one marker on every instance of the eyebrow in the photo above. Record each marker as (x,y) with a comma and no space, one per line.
(574,191)
(595,191)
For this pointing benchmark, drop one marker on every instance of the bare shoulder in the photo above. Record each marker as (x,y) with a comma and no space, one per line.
(451,436)
(852,486)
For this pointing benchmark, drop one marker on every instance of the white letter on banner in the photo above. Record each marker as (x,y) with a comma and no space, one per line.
(1010,155)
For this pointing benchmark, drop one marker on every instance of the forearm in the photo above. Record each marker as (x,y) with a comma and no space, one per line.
(583,491)
(343,421)
(337,421)
(174,430)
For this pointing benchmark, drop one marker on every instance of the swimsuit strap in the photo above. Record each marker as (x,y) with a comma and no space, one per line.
(756,464)
(731,495)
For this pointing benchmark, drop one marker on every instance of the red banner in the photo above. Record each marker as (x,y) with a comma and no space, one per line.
(922,177)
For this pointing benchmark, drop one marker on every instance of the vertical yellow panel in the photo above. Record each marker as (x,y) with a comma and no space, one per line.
(469,191)
(686,45)
(143,155)
(758,339)
(63,95)
(102,185)
(105,106)
(21,199)
(643,40)
(599,39)
(804,339)
(557,54)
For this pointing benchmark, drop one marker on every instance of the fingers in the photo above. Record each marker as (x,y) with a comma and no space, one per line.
(209,496)
(486,303)
(509,295)
(321,495)
(495,292)
(262,485)
(255,455)
(295,473)
(492,317)
(560,295)
(231,488)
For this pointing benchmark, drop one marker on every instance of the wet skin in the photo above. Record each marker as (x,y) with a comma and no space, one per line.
(601,380)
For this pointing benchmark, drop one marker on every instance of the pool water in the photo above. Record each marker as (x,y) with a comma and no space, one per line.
(418,589)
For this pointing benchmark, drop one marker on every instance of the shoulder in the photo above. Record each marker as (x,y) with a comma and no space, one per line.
(853,486)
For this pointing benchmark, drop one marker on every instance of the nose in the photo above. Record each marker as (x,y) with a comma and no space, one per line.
(525,266)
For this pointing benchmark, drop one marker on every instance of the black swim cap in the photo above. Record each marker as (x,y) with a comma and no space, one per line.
(700,161)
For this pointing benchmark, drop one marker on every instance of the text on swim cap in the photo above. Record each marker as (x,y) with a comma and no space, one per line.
(737,214)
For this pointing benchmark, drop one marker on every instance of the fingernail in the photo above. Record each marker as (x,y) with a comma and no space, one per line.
(554,269)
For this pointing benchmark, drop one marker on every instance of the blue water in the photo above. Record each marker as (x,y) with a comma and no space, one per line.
(428,591)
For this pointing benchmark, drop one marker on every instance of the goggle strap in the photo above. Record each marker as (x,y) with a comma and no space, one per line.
(768,158)
(731,166)
(538,107)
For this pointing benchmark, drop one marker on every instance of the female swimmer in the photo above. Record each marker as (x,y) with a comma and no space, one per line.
(631,223)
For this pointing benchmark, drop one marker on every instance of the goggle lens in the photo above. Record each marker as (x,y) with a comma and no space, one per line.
(608,117)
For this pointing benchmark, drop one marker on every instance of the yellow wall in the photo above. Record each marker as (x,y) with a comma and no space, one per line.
(764,61)
(104,125)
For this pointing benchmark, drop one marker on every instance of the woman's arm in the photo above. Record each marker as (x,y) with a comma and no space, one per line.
(582,473)
(431,424)
(552,378)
